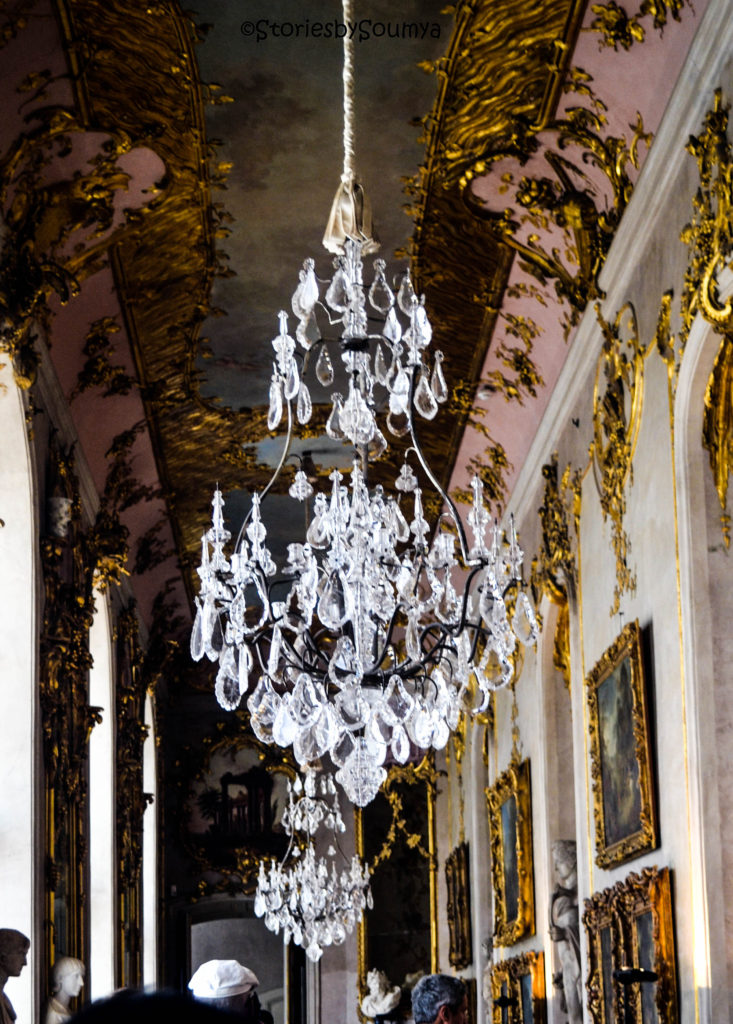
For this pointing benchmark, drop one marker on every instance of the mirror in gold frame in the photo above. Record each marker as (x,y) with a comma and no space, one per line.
(395,835)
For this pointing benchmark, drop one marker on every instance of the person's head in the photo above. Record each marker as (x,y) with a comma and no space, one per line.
(67,976)
(14,948)
(439,999)
(152,1008)
(228,985)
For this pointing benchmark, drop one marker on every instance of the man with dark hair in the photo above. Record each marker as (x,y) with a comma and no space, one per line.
(439,999)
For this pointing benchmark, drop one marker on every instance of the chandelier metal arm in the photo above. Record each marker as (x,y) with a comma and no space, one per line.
(275,475)
(431,476)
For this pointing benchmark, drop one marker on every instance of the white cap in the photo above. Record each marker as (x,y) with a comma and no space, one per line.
(217,979)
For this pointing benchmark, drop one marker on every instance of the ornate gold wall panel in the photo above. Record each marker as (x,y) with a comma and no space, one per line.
(66,717)
(130,800)
(617,403)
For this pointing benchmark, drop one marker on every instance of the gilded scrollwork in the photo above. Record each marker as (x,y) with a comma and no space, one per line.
(40,218)
(617,405)
(717,430)
(617,28)
(709,237)
(556,560)
(565,206)
(66,716)
(130,799)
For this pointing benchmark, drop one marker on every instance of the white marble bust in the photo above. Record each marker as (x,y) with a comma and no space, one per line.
(67,980)
(380,997)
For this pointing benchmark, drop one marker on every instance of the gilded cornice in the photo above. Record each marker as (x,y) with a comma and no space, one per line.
(135,70)
(498,82)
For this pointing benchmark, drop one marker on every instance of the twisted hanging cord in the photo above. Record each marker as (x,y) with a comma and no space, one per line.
(348,77)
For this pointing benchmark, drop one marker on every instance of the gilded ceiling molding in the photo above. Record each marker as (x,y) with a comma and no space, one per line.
(500,77)
(41,220)
(618,28)
(709,237)
(566,201)
(617,403)
(134,69)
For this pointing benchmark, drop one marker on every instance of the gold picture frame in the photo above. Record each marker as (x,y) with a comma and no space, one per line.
(631,924)
(510,826)
(518,990)
(457,877)
(396,837)
(621,760)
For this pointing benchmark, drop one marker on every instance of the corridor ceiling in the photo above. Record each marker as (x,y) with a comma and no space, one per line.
(498,141)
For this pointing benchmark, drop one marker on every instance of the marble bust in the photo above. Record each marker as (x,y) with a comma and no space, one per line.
(380,997)
(14,948)
(67,979)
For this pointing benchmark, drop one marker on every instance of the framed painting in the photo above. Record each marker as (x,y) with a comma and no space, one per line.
(621,762)
(510,827)
(630,925)
(518,990)
(459,906)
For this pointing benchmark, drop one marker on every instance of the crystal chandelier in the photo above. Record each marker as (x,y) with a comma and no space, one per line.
(314,902)
(373,636)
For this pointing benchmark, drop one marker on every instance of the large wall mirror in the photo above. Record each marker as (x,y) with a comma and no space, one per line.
(395,835)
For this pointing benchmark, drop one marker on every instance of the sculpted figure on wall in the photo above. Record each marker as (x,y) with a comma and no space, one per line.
(67,980)
(14,948)
(565,928)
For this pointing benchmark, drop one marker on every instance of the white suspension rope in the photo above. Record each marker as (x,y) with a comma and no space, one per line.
(348,77)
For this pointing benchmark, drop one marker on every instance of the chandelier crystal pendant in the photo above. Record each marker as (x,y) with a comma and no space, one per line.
(376,633)
(309,897)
